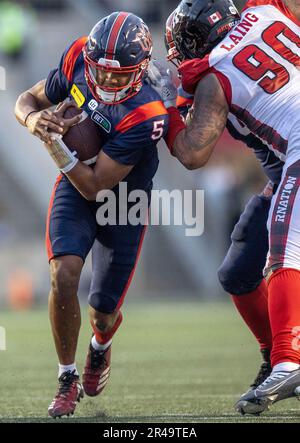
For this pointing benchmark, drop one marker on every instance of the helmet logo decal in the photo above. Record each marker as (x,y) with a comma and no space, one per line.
(226,28)
(214,18)
(145,39)
(190,41)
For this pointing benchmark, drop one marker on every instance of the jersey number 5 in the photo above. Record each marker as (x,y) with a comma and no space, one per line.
(261,67)
(158,129)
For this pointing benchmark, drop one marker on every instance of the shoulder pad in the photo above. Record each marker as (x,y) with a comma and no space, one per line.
(71,56)
(279,4)
(140,115)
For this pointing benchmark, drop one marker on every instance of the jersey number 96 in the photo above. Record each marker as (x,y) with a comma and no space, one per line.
(261,67)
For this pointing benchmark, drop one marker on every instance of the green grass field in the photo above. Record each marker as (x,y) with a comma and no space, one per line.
(177,363)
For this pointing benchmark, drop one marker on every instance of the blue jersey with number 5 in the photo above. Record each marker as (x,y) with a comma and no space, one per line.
(131,129)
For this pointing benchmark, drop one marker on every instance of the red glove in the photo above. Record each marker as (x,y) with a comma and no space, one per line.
(176,125)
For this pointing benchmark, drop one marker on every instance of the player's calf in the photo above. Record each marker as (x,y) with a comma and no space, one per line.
(64,308)
(97,367)
(65,274)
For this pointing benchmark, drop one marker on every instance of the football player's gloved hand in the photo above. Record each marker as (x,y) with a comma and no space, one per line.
(161,79)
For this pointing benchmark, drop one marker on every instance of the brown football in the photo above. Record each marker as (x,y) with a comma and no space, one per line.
(85,137)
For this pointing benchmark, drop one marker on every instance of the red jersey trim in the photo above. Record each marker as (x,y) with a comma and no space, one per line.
(48,240)
(224,82)
(71,57)
(183,101)
(114,34)
(279,4)
(140,115)
(192,71)
(264,131)
(121,301)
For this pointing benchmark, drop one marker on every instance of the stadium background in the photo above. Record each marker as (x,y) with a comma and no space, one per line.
(175,298)
(33,36)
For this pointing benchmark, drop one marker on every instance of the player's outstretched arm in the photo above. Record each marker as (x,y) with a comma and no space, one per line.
(194,145)
(32,110)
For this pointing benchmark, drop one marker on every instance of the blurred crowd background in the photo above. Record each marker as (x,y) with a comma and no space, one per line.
(33,35)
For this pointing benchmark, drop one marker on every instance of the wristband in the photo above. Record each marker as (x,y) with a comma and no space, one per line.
(61,154)
(28,115)
(176,125)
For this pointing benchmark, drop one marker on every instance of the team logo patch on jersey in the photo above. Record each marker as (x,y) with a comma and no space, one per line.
(77,95)
(102,121)
(214,18)
(93,105)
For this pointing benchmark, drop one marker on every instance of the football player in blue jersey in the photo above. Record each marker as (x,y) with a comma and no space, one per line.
(241,273)
(105,74)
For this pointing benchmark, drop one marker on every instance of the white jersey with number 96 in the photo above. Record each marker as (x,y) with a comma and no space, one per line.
(258,65)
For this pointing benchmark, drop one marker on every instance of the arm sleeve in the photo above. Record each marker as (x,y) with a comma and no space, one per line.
(128,148)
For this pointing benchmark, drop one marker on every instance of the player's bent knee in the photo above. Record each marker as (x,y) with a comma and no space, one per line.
(235,284)
(102,321)
(242,269)
(65,275)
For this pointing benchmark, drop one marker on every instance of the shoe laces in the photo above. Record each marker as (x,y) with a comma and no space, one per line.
(65,382)
(97,358)
(275,376)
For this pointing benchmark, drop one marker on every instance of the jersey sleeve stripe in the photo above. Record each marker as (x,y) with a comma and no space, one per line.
(71,57)
(260,129)
(183,101)
(279,4)
(140,115)
(114,34)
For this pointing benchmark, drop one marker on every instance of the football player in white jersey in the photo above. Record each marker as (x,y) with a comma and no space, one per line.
(248,67)
(241,272)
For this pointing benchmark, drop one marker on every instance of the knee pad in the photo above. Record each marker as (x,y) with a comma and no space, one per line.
(253,220)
